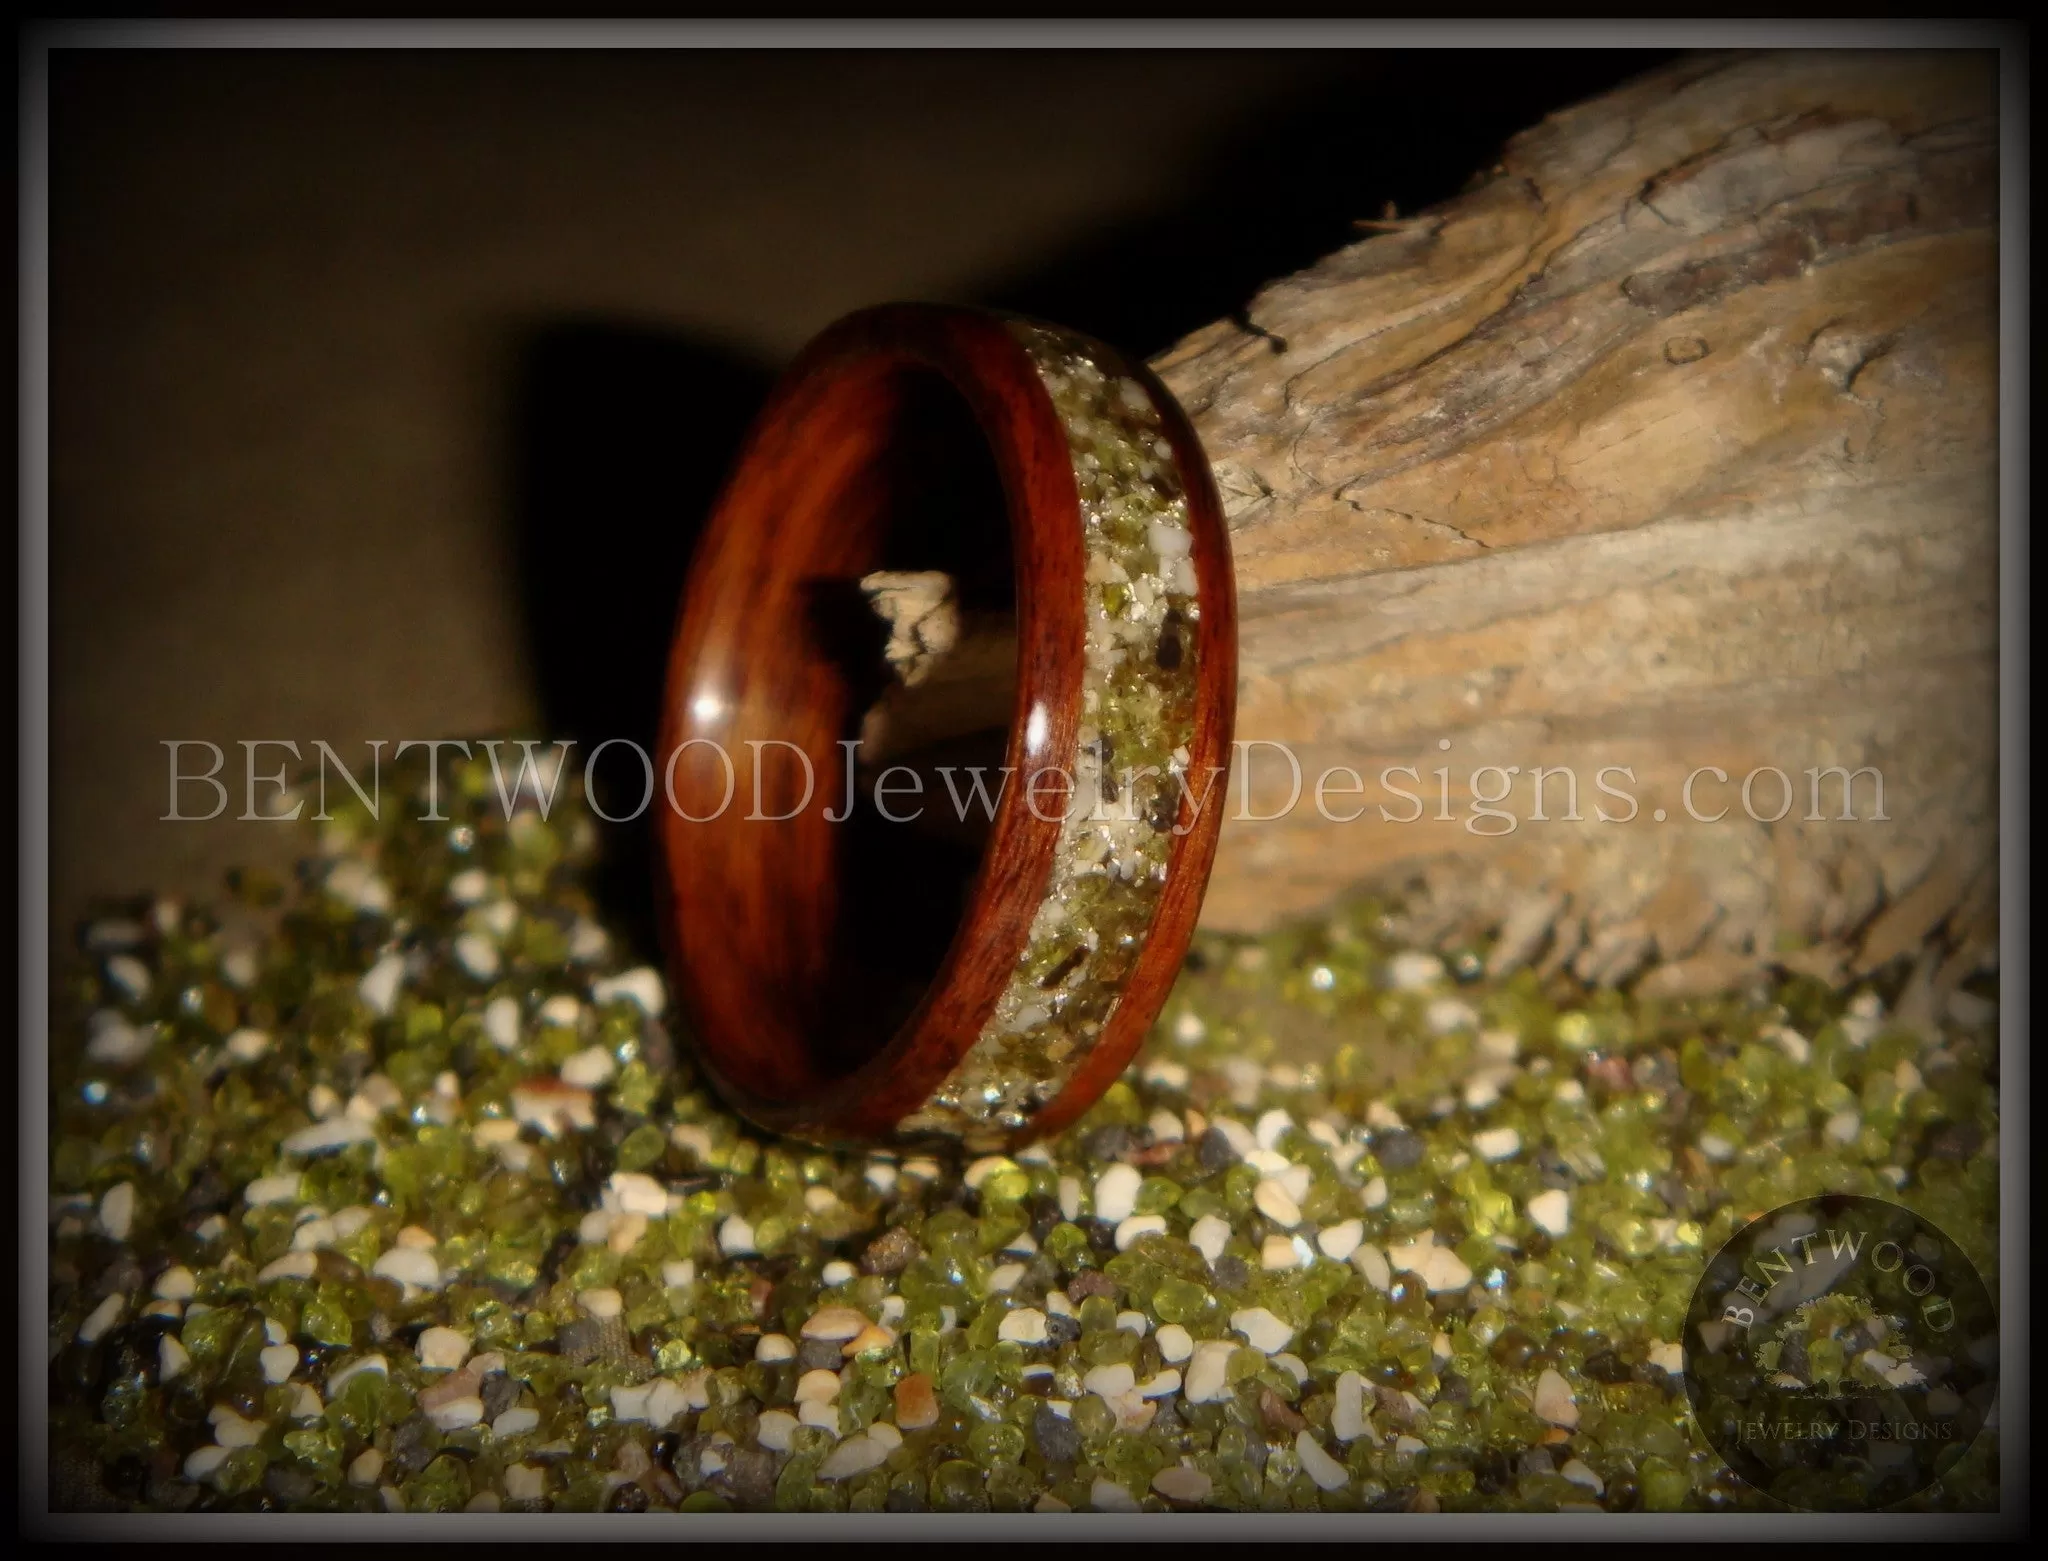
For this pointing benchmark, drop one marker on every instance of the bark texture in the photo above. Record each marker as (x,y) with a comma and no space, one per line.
(1670,443)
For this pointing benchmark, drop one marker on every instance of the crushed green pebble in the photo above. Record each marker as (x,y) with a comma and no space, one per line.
(389,1190)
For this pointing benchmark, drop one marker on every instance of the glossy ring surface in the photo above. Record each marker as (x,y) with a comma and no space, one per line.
(1086,890)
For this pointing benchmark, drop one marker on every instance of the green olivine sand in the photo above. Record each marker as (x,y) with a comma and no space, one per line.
(1391,1069)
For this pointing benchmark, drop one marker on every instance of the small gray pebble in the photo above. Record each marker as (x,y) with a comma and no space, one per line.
(414,1444)
(1398,1149)
(820,1355)
(1058,1439)
(499,1394)
(1213,1153)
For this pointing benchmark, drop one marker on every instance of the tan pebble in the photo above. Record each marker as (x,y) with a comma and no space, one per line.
(838,1323)
(874,1337)
(916,1405)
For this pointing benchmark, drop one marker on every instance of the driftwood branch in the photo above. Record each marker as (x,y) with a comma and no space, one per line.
(1671,443)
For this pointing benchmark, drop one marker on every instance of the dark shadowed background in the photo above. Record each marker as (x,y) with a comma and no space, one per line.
(387,386)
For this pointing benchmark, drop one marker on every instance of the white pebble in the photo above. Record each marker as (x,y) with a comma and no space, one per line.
(1273,1126)
(247,1045)
(1176,1344)
(1026,1325)
(501,1022)
(589,1068)
(1273,1201)
(410,1266)
(1110,1381)
(1203,1382)
(776,1430)
(1129,1230)
(1551,1211)
(443,1349)
(855,1455)
(1577,1471)
(601,1302)
(1795,1045)
(525,1482)
(1669,1358)
(457,1413)
(1716,1148)
(469,887)
(1070,1197)
(1009,1275)
(639,1193)
(1133,1322)
(1116,1193)
(561,1011)
(1497,1143)
(1370,1261)
(1277,1252)
(678,1273)
(1374,1194)
(1411,971)
(368,1464)
(1446,1015)
(335,1132)
(171,1358)
(231,1430)
(1339,1241)
(1347,1413)
(116,1042)
(1261,1329)
(379,985)
(130,975)
(1166,1128)
(203,1461)
(775,1346)
(516,1421)
(101,1318)
(278,1361)
(817,1387)
(1165,1073)
(478,955)
(1180,1482)
(1843,1127)
(1554,1400)
(1210,1234)
(1188,1029)
(1328,1474)
(641,986)
(1108,1496)
(239,966)
(1161,1384)
(298,1264)
(736,1237)
(117,1210)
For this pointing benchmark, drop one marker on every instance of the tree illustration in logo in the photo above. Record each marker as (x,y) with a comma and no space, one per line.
(1838,1342)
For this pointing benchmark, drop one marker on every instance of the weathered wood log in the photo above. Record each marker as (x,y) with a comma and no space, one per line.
(1669,444)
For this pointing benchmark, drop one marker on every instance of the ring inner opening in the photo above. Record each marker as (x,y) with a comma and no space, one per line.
(921,641)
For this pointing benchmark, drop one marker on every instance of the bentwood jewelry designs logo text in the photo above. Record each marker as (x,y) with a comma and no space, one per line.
(768,780)
(1841,1353)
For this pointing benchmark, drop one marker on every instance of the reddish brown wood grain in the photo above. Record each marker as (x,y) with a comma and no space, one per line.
(753,905)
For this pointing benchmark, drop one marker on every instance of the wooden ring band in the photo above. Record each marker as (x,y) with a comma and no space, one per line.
(1079,907)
